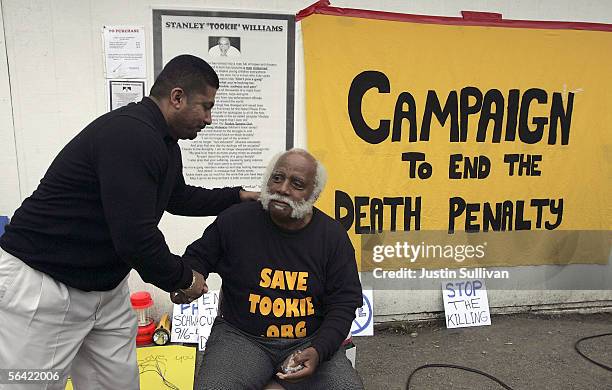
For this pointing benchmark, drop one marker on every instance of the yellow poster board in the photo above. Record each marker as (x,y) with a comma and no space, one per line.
(164,368)
(462,127)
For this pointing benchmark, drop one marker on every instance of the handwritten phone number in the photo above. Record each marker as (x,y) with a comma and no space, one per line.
(8,376)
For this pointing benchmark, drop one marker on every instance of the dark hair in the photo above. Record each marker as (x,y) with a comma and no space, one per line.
(188,72)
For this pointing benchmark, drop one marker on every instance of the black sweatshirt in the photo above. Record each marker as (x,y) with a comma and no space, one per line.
(279,283)
(94,215)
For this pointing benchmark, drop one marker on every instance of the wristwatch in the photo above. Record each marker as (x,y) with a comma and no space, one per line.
(193,281)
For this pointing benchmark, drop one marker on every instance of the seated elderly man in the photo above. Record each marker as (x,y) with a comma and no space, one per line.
(290,286)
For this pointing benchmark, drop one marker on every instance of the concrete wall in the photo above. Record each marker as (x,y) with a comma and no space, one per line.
(52,84)
(10,194)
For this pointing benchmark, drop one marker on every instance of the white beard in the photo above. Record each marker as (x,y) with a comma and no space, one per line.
(299,210)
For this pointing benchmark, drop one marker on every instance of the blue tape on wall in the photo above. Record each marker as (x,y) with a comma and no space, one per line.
(3,221)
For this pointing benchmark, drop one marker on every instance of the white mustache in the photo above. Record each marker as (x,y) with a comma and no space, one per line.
(298,208)
(283,199)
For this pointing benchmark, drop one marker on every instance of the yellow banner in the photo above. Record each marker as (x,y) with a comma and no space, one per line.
(461,127)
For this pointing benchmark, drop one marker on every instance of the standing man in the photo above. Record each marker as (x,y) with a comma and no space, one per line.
(66,254)
(290,286)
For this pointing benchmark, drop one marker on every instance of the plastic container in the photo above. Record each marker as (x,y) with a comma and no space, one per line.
(141,302)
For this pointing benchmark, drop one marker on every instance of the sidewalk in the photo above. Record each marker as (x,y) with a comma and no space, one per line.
(523,351)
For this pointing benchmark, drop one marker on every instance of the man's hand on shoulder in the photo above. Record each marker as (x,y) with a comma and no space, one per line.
(246,196)
(187,295)
(309,358)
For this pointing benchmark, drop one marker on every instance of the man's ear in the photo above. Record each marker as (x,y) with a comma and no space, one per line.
(177,97)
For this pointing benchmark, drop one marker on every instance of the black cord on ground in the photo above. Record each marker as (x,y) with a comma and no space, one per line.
(505,386)
(588,358)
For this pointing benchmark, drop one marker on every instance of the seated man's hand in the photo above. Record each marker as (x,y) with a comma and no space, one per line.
(309,358)
(246,196)
(197,289)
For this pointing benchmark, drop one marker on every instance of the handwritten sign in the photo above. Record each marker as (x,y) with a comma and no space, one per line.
(185,323)
(189,319)
(167,367)
(207,304)
(484,149)
(465,303)
(363,324)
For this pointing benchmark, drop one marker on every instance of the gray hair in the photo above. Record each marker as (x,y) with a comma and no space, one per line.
(320,176)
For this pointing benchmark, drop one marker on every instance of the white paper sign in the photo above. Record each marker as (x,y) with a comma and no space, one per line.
(122,92)
(124,52)
(363,324)
(185,323)
(208,304)
(465,303)
(253,54)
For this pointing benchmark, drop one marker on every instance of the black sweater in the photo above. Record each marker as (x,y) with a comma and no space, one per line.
(279,283)
(94,215)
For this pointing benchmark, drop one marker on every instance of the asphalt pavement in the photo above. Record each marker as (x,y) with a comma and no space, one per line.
(524,351)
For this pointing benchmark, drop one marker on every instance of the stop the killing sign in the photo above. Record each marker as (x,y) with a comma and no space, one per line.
(465,303)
